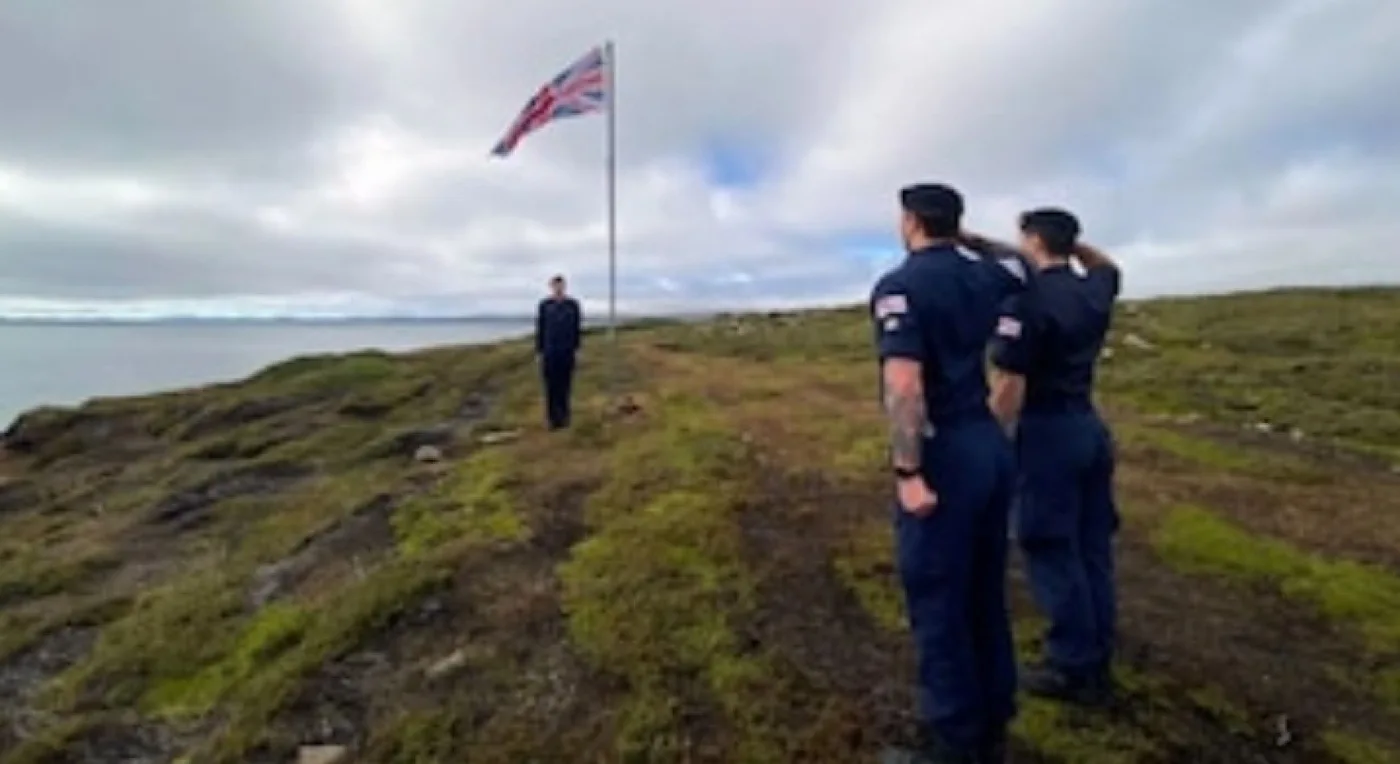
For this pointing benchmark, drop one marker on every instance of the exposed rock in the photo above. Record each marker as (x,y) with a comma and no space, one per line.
(1283,732)
(427,455)
(323,754)
(1136,342)
(1263,427)
(474,408)
(260,478)
(502,436)
(447,666)
(1106,354)
(1297,435)
(408,442)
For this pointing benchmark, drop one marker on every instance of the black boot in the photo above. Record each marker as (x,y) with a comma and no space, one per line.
(1089,689)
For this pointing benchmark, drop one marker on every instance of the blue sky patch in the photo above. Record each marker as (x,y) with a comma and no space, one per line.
(731,164)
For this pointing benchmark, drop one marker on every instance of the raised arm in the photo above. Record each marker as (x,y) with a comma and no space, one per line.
(988,247)
(1094,258)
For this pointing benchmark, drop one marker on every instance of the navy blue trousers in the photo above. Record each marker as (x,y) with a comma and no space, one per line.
(1066,520)
(952,565)
(558,372)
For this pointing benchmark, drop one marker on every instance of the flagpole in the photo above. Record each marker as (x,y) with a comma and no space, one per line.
(611,138)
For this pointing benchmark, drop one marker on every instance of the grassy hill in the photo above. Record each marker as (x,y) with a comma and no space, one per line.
(230,573)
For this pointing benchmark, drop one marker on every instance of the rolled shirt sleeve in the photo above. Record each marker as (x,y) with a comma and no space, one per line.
(897,330)
(1013,341)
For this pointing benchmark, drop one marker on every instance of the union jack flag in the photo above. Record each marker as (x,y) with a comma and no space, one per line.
(580,89)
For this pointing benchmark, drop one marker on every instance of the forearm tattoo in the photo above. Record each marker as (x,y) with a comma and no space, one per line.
(907,418)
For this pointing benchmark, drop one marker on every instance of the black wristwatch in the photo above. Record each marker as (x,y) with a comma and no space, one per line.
(905,473)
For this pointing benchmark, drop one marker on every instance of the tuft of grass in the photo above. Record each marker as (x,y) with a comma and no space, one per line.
(170,632)
(1387,688)
(293,647)
(275,629)
(1364,596)
(1059,732)
(416,737)
(1213,701)
(322,373)
(653,593)
(1355,749)
(470,504)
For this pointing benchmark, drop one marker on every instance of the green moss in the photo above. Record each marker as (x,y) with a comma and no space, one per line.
(273,630)
(470,504)
(1355,749)
(1197,451)
(344,621)
(1213,701)
(266,529)
(30,574)
(170,632)
(1055,730)
(653,593)
(1191,449)
(1387,688)
(325,373)
(419,737)
(1364,596)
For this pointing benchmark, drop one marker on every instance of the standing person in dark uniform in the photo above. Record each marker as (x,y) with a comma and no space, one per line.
(1046,349)
(558,334)
(953,471)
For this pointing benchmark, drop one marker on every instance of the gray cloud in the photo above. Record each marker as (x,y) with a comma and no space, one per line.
(164,150)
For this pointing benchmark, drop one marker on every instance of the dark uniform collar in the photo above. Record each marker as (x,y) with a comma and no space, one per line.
(945,245)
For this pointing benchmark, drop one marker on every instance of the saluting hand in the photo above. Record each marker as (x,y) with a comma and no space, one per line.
(915,497)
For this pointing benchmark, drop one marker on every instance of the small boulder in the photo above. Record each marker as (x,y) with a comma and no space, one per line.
(447,666)
(498,437)
(427,454)
(408,442)
(1136,342)
(323,754)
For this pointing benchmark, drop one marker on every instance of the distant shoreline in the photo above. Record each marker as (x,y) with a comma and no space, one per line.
(310,320)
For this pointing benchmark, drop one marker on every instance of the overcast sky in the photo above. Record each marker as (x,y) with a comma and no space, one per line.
(311,155)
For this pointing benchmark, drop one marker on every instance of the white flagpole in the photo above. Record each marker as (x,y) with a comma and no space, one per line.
(611,75)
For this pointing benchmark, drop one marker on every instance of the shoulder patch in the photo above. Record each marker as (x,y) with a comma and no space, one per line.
(1009,328)
(891,305)
(1013,266)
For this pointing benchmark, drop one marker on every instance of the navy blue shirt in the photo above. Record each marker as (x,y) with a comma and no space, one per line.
(939,308)
(558,326)
(1053,333)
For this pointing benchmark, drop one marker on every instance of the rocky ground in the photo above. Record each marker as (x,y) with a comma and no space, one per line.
(385,559)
